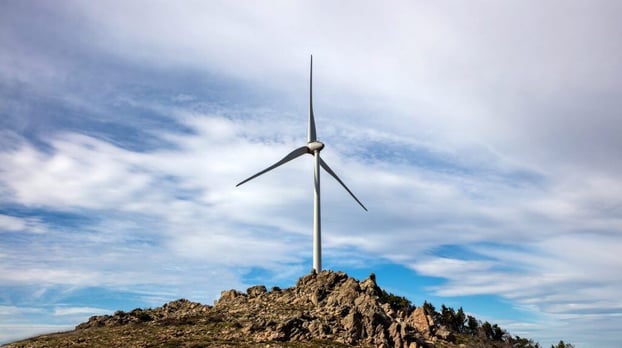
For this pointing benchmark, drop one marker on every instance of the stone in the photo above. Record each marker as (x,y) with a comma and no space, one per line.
(228,295)
(396,334)
(257,290)
(419,320)
(445,334)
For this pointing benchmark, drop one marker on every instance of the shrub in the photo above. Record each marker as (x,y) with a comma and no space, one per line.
(396,302)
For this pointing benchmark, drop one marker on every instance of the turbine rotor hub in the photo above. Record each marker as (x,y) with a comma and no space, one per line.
(315,146)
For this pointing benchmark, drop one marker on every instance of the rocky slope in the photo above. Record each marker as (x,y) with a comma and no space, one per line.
(323,310)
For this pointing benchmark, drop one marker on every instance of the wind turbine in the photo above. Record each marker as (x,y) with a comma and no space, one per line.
(313,147)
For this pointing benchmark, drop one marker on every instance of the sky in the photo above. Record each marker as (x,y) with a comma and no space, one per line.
(483,137)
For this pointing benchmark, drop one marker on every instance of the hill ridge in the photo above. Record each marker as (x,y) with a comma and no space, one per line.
(323,309)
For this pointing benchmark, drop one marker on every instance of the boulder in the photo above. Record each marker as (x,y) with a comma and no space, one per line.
(419,320)
(228,295)
(256,290)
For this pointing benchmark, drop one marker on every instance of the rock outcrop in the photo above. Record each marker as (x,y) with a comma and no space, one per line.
(324,309)
(329,306)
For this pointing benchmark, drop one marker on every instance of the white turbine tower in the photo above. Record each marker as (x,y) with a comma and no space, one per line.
(313,147)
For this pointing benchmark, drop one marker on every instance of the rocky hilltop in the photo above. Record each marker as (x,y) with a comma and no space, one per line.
(323,310)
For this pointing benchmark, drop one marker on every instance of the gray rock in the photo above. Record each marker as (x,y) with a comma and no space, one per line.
(256,290)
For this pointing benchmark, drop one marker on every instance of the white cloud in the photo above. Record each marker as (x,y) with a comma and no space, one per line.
(521,88)
(13,310)
(82,311)
(10,223)
(136,197)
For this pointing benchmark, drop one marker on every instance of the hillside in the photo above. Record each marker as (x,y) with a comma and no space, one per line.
(329,309)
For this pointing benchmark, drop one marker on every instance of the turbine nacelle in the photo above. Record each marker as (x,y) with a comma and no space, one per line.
(315,146)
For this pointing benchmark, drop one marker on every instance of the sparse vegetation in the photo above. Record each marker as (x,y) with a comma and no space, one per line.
(142,316)
(469,328)
(397,302)
(561,344)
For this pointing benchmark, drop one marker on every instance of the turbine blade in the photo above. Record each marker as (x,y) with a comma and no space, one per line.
(330,171)
(296,153)
(311,133)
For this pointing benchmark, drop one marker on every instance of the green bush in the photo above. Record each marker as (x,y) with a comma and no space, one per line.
(561,344)
(396,302)
(144,316)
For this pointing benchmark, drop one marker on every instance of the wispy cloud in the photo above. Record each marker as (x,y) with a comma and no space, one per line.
(17,224)
(64,311)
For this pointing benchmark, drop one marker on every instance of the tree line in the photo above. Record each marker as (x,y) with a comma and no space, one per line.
(459,322)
